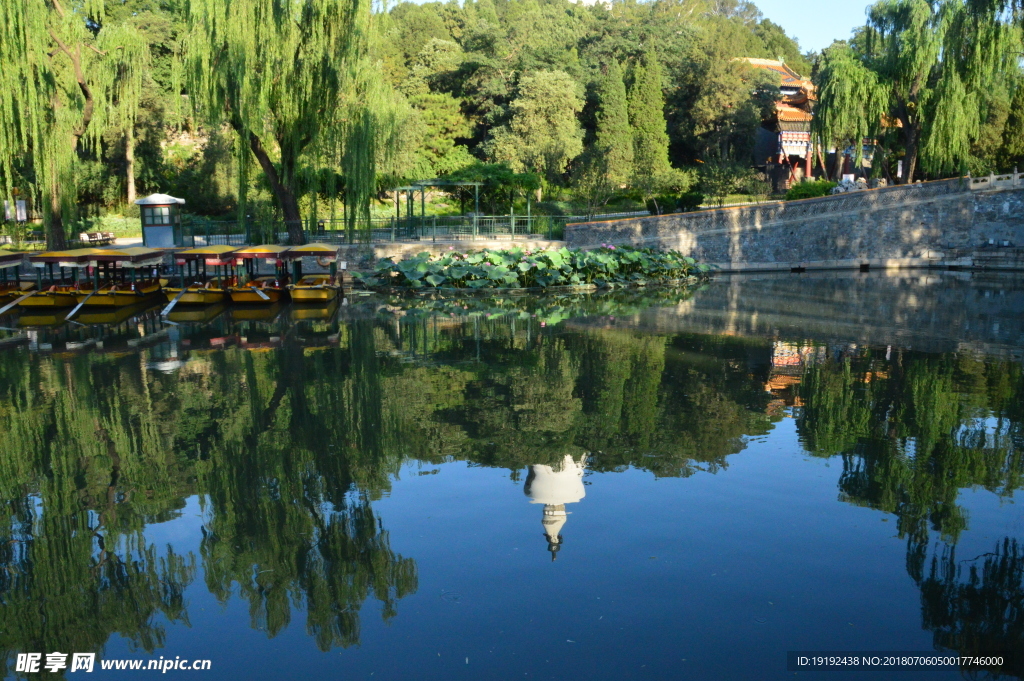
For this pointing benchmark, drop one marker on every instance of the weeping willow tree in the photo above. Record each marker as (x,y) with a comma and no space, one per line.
(294,80)
(67,77)
(851,101)
(916,70)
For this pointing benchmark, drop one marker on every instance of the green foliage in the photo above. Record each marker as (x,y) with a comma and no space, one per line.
(756,185)
(69,76)
(810,190)
(499,185)
(612,132)
(720,178)
(647,116)
(918,72)
(291,79)
(543,135)
(778,45)
(330,104)
(851,99)
(441,124)
(592,178)
(519,268)
(1012,151)
(689,201)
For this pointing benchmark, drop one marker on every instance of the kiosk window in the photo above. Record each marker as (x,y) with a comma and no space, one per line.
(157,215)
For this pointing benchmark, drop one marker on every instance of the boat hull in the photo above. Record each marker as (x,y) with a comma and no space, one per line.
(197,296)
(310,294)
(119,296)
(10,293)
(50,299)
(244,294)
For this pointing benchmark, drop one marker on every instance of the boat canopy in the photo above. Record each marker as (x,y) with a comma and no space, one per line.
(135,256)
(264,251)
(8,259)
(323,251)
(224,253)
(73,258)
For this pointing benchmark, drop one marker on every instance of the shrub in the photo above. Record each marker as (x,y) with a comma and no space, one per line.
(719,178)
(809,190)
(690,201)
(518,268)
(662,203)
(756,185)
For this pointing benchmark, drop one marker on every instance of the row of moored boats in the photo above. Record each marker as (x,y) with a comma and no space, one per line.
(117,277)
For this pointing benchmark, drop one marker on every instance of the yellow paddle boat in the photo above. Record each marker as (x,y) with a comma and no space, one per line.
(62,291)
(123,284)
(194,275)
(251,286)
(314,288)
(11,285)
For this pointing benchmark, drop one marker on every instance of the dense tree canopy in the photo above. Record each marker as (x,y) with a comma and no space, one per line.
(365,100)
(926,77)
(69,75)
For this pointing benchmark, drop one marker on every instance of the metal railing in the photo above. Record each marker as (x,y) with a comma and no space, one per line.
(198,232)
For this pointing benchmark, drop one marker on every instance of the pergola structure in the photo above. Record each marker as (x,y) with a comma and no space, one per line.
(422,186)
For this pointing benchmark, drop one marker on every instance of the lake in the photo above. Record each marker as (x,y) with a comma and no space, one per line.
(666,484)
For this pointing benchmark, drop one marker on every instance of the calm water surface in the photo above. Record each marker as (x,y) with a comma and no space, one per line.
(666,485)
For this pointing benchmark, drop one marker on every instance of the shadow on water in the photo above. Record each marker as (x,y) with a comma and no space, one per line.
(288,424)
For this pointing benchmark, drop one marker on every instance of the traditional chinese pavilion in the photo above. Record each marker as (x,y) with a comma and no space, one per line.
(784,140)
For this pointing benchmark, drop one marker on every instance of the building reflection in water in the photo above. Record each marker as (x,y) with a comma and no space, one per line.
(556,488)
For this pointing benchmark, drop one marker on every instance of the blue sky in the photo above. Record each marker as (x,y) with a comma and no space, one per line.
(815,23)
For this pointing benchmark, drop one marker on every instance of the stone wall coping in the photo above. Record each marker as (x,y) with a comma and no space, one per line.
(710,212)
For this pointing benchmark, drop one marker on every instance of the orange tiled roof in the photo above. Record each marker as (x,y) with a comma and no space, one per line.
(790,113)
(788,78)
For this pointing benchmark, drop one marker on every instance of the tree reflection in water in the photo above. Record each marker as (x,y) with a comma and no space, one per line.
(912,432)
(287,444)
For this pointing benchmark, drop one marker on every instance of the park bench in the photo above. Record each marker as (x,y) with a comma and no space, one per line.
(96,238)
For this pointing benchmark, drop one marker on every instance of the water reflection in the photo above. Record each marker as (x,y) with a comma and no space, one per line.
(555,487)
(288,427)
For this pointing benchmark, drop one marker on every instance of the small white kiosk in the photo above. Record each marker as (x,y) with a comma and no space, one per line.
(161,221)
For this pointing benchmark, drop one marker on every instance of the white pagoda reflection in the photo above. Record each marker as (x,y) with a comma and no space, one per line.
(555,488)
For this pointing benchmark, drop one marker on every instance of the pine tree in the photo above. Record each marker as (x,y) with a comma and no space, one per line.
(647,116)
(1012,152)
(614,137)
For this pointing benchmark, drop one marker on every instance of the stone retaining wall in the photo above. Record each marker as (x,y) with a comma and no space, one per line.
(935,224)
